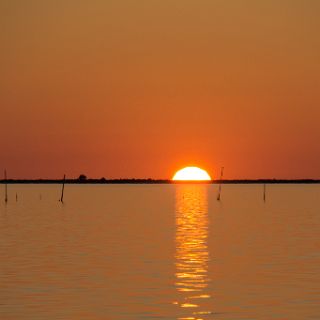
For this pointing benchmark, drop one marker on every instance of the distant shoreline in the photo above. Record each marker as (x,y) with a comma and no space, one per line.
(158,181)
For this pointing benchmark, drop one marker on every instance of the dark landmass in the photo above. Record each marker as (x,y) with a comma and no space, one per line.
(158,181)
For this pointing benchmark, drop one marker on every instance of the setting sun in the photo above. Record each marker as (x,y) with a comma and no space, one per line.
(191,174)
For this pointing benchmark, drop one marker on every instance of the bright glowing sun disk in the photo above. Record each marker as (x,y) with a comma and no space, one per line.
(191,174)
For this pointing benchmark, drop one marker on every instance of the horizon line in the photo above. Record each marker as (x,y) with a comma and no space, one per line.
(154,181)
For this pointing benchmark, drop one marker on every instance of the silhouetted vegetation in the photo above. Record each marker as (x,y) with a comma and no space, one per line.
(82,177)
(85,180)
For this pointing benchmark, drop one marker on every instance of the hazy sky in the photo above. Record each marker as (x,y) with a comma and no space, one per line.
(138,88)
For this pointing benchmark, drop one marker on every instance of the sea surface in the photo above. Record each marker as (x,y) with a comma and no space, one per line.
(160,252)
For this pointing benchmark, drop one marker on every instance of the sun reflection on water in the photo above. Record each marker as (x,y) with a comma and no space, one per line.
(192,255)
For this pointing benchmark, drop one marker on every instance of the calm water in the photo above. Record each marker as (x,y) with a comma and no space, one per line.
(160,252)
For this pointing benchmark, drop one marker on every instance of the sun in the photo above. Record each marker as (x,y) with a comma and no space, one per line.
(191,174)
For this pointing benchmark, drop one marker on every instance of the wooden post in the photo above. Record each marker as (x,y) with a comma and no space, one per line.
(5,187)
(62,191)
(221,175)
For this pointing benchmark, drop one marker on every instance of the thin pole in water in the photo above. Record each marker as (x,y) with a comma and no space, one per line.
(62,191)
(221,175)
(6,187)
(264,192)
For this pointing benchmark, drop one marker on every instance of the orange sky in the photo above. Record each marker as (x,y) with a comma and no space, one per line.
(127,88)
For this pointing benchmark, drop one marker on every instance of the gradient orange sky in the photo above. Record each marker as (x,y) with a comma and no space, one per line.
(142,88)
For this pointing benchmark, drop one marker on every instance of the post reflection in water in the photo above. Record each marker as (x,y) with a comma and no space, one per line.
(192,255)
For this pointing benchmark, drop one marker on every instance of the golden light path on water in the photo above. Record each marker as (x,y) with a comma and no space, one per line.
(192,255)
